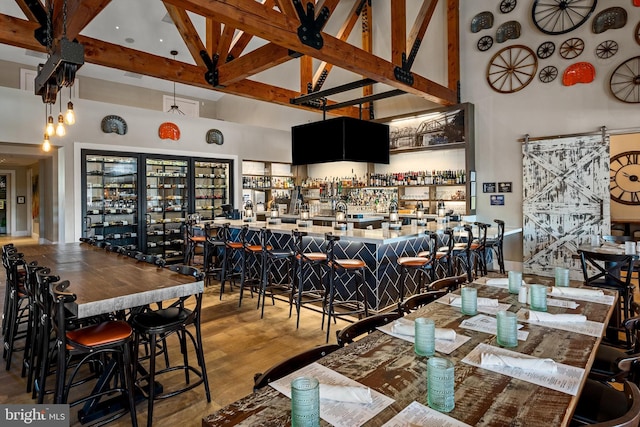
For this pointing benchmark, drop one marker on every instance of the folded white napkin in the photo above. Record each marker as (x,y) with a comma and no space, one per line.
(576,292)
(456,301)
(343,393)
(540,316)
(500,281)
(526,364)
(407,327)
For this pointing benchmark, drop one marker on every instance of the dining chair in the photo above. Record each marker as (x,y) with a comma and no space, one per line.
(602,405)
(496,244)
(158,325)
(292,364)
(448,284)
(611,271)
(105,346)
(416,301)
(365,326)
(617,364)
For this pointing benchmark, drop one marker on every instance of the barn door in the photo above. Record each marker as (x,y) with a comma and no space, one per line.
(565,200)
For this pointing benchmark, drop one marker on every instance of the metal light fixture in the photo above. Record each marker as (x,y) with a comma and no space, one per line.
(50,130)
(60,130)
(174,108)
(70,115)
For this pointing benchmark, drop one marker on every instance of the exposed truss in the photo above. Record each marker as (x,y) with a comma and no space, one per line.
(294,30)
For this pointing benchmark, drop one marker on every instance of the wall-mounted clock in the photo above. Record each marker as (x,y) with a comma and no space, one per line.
(625,178)
(214,136)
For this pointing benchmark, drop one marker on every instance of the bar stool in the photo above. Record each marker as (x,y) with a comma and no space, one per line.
(17,315)
(251,276)
(159,325)
(337,269)
(29,354)
(462,253)
(273,258)
(304,260)
(43,366)
(7,250)
(443,266)
(91,344)
(233,252)
(214,251)
(423,263)
(497,245)
(193,238)
(479,249)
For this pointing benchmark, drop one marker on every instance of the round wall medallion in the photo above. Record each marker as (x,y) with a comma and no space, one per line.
(168,130)
(214,136)
(114,124)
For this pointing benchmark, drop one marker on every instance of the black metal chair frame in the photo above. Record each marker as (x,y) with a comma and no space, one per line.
(424,269)
(301,263)
(364,326)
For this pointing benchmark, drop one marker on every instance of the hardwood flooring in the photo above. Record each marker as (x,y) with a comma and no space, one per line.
(237,345)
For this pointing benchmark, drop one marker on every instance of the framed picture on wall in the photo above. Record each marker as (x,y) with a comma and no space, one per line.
(488,187)
(432,129)
(504,187)
(21,200)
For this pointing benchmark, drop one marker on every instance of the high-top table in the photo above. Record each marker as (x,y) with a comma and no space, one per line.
(482,397)
(106,282)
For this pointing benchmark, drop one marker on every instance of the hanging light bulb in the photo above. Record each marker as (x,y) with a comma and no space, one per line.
(70,116)
(46,145)
(60,130)
(51,130)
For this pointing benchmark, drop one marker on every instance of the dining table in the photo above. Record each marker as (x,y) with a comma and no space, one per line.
(387,364)
(106,282)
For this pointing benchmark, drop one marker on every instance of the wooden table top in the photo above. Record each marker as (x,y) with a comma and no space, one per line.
(105,282)
(482,398)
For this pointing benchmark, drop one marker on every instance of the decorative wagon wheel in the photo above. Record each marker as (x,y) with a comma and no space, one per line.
(625,81)
(548,74)
(561,16)
(511,69)
(571,48)
(507,6)
(606,49)
(546,49)
(485,43)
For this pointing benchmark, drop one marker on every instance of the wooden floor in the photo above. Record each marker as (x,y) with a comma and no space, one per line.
(237,344)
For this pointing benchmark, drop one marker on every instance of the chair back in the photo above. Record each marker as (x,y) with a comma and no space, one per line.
(292,364)
(604,269)
(500,236)
(628,401)
(420,300)
(448,284)
(364,326)
(187,270)
(59,314)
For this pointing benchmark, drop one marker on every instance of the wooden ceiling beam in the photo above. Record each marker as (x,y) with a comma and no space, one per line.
(306,74)
(453,44)
(398,30)
(286,7)
(188,32)
(252,17)
(420,25)
(79,14)
(19,32)
(241,42)
(261,59)
(367,45)
(225,42)
(343,34)
(22,4)
(213,29)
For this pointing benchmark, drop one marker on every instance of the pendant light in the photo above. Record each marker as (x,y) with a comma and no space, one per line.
(174,108)
(50,129)
(70,115)
(60,130)
(46,144)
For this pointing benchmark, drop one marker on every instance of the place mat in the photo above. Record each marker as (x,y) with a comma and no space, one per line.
(589,327)
(489,325)
(442,346)
(341,414)
(481,308)
(566,380)
(417,414)
(602,299)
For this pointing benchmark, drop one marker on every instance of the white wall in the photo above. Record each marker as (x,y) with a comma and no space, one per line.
(22,119)
(538,109)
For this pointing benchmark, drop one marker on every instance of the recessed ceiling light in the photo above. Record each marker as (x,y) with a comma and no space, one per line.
(161,40)
(117,27)
(129,40)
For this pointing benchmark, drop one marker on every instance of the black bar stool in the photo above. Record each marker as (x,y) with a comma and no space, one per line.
(304,260)
(337,270)
(17,315)
(423,263)
(216,237)
(273,258)
(497,244)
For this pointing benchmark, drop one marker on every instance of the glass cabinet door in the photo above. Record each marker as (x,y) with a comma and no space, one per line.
(111,199)
(211,181)
(167,201)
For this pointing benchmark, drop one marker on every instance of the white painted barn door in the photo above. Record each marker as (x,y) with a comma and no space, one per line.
(565,200)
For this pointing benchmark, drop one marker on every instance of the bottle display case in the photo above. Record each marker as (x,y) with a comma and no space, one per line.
(167,197)
(266,182)
(111,199)
(211,187)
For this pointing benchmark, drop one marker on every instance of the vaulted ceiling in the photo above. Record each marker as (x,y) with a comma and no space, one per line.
(224,57)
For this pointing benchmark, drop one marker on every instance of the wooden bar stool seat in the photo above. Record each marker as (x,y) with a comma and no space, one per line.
(423,263)
(300,293)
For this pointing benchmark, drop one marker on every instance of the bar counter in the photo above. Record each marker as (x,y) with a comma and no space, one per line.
(378,248)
